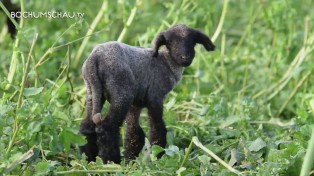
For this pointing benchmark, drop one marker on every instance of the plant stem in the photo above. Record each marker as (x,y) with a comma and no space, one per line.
(187,153)
(295,90)
(89,32)
(128,23)
(274,89)
(19,102)
(213,155)
(309,157)
(24,157)
(85,171)
(8,14)
(68,71)
(107,169)
(221,21)
(14,58)
(247,29)
(43,59)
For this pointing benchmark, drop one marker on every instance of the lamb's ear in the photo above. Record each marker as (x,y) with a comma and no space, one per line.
(97,119)
(160,40)
(203,39)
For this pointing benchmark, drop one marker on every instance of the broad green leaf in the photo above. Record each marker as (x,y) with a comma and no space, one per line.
(45,167)
(257,145)
(204,159)
(204,110)
(42,168)
(55,144)
(233,160)
(60,115)
(69,137)
(138,173)
(16,156)
(156,150)
(34,127)
(32,91)
(172,150)
(229,121)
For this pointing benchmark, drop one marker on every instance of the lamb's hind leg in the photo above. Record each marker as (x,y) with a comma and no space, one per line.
(87,128)
(108,131)
(120,87)
(135,136)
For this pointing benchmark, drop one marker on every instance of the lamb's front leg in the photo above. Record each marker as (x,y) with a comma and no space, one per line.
(135,136)
(158,131)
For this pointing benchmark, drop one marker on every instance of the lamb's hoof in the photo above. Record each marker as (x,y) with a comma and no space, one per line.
(97,118)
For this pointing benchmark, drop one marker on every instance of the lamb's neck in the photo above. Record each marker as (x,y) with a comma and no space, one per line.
(176,69)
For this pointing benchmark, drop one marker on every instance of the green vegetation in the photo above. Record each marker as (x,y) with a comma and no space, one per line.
(245,109)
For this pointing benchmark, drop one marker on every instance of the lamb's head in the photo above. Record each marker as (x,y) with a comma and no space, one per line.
(180,41)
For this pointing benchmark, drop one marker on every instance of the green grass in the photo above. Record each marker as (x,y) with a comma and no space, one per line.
(244,109)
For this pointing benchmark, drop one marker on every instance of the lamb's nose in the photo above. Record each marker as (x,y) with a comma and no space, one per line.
(185,57)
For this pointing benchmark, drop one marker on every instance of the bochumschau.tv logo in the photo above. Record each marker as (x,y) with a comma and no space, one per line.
(47,14)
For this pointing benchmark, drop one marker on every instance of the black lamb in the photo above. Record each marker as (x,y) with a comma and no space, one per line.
(131,78)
